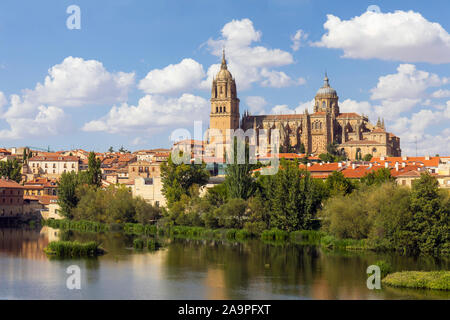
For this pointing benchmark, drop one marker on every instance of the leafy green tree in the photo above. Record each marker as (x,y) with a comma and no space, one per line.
(258,215)
(377,177)
(111,149)
(217,195)
(11,169)
(431,214)
(368,157)
(231,214)
(178,178)
(67,193)
(94,172)
(292,197)
(327,157)
(239,180)
(338,184)
(302,148)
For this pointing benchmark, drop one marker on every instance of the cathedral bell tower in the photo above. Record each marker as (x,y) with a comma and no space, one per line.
(224,101)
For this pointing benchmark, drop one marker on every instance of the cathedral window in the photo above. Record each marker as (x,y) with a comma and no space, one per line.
(224,109)
(324,105)
(217,109)
(220,109)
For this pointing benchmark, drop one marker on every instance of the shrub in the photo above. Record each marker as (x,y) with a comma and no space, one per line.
(437,280)
(138,244)
(73,249)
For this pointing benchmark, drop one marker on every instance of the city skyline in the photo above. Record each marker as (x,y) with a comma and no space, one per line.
(88,89)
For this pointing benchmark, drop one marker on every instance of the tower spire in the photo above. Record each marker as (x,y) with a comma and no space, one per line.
(224,61)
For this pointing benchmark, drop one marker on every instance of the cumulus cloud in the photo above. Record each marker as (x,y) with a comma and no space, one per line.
(249,64)
(152,111)
(174,78)
(73,83)
(408,82)
(297,39)
(441,94)
(47,121)
(399,36)
(256,104)
(285,109)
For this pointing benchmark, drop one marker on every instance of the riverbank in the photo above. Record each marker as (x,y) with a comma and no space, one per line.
(274,236)
(435,280)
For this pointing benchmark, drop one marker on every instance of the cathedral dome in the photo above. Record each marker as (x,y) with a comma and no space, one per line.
(326,89)
(224,74)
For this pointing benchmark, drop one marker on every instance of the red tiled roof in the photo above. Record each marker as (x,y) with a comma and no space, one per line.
(433,162)
(349,115)
(54,158)
(8,183)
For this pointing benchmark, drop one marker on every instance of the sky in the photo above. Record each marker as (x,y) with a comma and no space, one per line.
(134,71)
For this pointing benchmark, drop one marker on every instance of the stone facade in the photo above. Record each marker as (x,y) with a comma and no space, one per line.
(224,103)
(353,133)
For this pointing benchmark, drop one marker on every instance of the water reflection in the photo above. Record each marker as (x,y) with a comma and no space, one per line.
(196,269)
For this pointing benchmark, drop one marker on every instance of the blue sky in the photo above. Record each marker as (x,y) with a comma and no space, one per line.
(136,70)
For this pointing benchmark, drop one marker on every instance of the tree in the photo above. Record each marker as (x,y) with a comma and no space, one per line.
(231,214)
(377,177)
(292,197)
(302,149)
(178,178)
(338,184)
(111,149)
(94,172)
(67,193)
(431,214)
(11,169)
(327,157)
(239,180)
(368,157)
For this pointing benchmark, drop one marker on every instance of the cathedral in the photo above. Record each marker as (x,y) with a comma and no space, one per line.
(352,133)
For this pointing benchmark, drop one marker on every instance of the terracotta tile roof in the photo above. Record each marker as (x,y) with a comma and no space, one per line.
(54,158)
(432,162)
(8,183)
(349,115)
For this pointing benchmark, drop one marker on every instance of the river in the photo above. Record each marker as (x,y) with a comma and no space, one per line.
(196,269)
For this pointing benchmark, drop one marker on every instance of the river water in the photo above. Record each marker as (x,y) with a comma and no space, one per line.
(195,269)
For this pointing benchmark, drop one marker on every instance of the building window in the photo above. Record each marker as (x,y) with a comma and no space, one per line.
(224,109)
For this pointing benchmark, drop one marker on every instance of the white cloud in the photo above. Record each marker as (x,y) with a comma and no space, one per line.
(174,78)
(3,101)
(256,104)
(282,109)
(360,107)
(47,121)
(441,94)
(297,39)
(279,79)
(408,82)
(137,141)
(300,109)
(152,112)
(400,36)
(247,62)
(78,82)
(73,83)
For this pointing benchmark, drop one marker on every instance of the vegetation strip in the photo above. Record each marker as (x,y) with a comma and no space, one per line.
(436,280)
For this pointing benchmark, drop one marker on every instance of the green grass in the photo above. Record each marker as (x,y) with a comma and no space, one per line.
(275,235)
(436,280)
(73,249)
(78,225)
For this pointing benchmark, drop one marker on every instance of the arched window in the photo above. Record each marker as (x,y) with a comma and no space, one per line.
(217,109)
(324,105)
(220,109)
(224,109)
